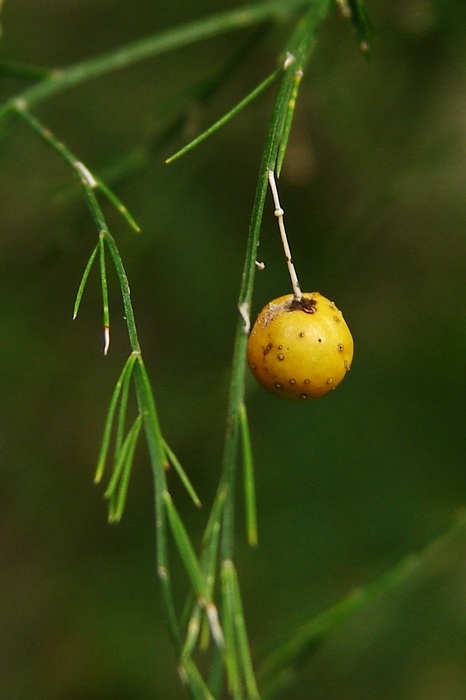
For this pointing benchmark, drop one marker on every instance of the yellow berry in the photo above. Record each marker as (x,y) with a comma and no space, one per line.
(300,349)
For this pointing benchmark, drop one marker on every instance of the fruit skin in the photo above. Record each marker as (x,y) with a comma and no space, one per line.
(300,349)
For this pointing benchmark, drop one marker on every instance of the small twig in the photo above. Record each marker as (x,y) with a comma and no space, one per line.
(279,212)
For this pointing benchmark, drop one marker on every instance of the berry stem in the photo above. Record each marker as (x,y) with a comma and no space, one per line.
(279,212)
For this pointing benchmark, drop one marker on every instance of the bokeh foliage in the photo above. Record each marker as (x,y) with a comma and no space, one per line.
(373,187)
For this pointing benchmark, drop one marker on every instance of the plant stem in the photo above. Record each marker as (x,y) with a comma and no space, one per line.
(300,48)
(145,397)
(62,79)
(279,212)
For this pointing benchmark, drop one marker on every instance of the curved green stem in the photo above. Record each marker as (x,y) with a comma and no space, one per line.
(62,79)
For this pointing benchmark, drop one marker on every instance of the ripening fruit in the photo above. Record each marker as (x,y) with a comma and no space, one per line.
(300,349)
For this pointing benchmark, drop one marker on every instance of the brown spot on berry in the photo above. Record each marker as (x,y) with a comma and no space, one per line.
(267,349)
(281,356)
(303,304)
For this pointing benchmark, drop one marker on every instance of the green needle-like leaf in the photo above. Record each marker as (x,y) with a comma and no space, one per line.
(191,676)
(104,285)
(82,284)
(122,411)
(127,369)
(185,548)
(193,569)
(297,76)
(249,484)
(125,452)
(238,656)
(118,486)
(118,204)
(241,634)
(193,629)
(231,646)
(362,23)
(174,461)
(226,117)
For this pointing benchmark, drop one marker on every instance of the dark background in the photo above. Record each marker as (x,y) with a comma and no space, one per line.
(374,193)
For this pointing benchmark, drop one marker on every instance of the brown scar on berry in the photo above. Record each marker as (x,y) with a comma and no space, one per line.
(303,304)
(267,349)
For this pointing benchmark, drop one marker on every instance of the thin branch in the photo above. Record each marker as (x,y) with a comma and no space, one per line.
(279,212)
(63,79)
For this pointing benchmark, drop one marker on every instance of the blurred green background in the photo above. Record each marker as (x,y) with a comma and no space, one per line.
(374,193)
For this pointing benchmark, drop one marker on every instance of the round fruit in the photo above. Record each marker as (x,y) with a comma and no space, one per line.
(300,348)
